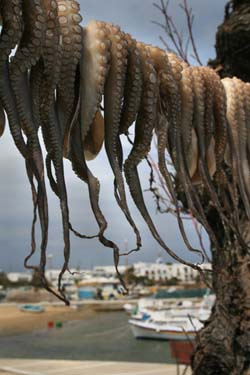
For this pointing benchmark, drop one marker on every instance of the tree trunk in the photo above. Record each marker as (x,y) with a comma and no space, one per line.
(233,42)
(223,345)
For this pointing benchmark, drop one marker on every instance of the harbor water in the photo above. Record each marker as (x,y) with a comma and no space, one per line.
(104,336)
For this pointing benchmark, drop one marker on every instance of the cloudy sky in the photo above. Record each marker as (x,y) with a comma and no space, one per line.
(135,17)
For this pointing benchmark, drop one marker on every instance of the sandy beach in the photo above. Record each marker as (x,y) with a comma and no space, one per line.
(13,321)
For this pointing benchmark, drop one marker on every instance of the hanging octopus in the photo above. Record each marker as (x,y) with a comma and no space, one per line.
(86,87)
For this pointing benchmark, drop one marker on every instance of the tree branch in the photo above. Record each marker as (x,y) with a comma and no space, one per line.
(180,44)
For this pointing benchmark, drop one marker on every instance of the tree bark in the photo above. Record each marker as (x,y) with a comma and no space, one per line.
(233,42)
(223,345)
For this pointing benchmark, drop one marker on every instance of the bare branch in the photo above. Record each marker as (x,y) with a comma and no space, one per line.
(190,21)
(180,44)
(171,30)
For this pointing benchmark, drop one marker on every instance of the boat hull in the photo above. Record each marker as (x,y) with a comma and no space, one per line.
(141,332)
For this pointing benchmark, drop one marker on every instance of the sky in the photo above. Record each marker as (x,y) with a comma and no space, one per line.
(135,17)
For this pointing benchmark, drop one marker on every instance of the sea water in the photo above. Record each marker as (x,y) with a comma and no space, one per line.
(100,337)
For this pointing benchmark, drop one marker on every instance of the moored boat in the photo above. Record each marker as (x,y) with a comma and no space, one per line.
(32,308)
(164,310)
(178,328)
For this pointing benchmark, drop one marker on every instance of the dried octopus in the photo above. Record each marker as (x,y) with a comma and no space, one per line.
(85,87)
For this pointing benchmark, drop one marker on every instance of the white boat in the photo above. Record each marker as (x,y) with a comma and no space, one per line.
(142,315)
(32,308)
(177,328)
(160,308)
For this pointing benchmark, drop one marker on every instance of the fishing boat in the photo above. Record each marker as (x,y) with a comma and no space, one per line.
(199,313)
(32,308)
(160,308)
(174,328)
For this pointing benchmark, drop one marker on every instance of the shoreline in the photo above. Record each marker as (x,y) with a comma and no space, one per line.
(16,322)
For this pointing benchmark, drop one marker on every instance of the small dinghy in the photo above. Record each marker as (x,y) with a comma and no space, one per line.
(31,308)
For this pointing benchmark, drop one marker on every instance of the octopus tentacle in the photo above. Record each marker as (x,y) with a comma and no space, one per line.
(81,169)
(133,87)
(231,160)
(71,43)
(143,134)
(10,36)
(242,138)
(181,163)
(215,125)
(220,124)
(113,96)
(69,33)
(145,123)
(175,144)
(176,69)
(202,107)
(55,189)
(209,124)
(52,181)
(177,65)
(79,148)
(189,137)
(27,54)
(33,227)
(233,112)
(221,138)
(247,113)
(202,102)
(209,121)
(179,103)
(243,119)
(94,69)
(35,83)
(162,139)
(50,123)
(95,137)
(167,97)
(243,134)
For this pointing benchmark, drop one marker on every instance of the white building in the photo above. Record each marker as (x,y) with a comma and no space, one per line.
(160,271)
(69,278)
(15,277)
(108,271)
(155,271)
(77,276)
